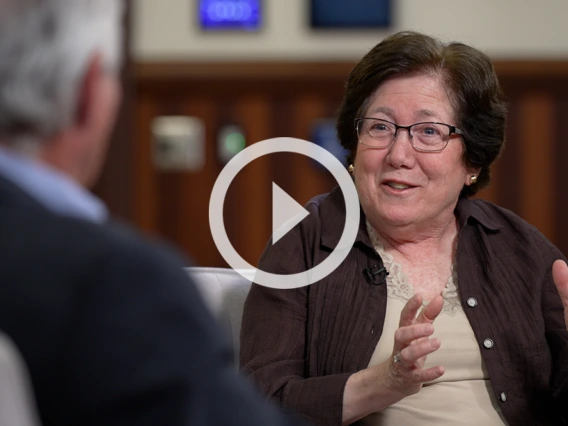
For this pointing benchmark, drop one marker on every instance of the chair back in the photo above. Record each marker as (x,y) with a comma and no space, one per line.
(17,403)
(224,291)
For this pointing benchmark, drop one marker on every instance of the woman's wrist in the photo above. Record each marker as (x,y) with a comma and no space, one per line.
(368,391)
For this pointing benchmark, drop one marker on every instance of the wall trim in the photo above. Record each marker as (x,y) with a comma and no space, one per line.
(270,70)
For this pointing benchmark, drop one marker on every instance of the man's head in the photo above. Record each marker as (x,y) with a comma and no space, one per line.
(59,84)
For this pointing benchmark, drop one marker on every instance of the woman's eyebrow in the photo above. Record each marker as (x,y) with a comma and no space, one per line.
(420,114)
(382,109)
(427,113)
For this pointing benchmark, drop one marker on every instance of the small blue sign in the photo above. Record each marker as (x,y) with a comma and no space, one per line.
(324,134)
(230,14)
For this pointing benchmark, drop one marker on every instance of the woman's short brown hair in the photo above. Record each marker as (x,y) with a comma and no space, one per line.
(467,73)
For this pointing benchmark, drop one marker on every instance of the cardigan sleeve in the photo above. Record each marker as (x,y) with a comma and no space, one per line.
(273,352)
(556,333)
(274,334)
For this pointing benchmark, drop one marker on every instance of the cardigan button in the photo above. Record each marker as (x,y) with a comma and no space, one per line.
(488,343)
(472,302)
(502,397)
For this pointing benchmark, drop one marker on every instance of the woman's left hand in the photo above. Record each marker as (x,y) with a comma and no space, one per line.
(560,277)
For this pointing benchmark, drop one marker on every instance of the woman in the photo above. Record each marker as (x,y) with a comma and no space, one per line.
(467,327)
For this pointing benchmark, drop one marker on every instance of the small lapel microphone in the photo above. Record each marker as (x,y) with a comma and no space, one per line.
(375,274)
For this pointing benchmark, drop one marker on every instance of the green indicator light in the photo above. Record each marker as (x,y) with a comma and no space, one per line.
(235,143)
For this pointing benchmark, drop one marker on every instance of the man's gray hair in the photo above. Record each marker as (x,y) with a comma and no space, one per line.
(45,47)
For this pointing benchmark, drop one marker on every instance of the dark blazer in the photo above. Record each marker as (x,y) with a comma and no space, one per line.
(111,328)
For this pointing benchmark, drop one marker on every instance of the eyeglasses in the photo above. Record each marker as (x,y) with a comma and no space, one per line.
(425,137)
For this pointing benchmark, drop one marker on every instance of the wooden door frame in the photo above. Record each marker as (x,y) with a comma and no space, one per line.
(116,185)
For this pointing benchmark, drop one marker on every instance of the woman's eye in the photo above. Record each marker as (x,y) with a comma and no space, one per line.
(430,131)
(380,127)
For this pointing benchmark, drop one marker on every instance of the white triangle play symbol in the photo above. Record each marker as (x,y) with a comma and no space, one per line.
(286,213)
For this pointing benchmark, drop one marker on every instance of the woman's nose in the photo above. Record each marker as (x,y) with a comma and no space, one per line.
(401,152)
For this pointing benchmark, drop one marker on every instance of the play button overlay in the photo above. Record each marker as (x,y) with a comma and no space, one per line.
(287,213)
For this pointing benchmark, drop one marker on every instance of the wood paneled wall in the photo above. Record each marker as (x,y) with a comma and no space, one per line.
(115,185)
(284,99)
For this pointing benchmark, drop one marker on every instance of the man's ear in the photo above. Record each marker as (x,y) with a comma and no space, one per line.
(87,92)
(79,149)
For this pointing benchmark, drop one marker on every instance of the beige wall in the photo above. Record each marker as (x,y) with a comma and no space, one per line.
(526,29)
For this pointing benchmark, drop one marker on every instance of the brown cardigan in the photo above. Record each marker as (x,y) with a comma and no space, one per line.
(300,346)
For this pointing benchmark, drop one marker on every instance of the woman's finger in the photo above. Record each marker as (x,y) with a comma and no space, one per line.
(431,310)
(404,336)
(415,354)
(428,374)
(408,313)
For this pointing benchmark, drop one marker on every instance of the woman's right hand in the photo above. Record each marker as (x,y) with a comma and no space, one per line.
(404,372)
(377,387)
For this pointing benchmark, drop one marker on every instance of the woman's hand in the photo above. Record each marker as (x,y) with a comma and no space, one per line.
(404,371)
(377,387)
(560,277)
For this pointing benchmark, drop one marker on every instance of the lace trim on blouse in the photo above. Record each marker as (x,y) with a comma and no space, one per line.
(398,286)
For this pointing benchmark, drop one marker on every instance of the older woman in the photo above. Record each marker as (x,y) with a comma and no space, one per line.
(445,311)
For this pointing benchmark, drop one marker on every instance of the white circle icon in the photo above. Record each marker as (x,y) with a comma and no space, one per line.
(271,146)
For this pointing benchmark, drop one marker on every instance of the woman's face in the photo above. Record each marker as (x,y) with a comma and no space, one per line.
(397,185)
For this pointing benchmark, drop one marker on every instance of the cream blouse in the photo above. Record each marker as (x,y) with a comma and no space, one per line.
(463,395)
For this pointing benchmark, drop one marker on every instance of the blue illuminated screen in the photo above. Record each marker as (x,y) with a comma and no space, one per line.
(350,14)
(230,14)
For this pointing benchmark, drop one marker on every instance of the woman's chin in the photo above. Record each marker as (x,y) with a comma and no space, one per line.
(397,219)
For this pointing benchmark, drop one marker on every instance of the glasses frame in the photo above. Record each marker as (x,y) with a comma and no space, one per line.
(453,131)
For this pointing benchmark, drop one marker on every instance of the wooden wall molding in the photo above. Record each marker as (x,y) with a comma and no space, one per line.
(245,70)
(152,71)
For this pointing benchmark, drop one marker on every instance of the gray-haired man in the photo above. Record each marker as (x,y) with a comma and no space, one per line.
(110,328)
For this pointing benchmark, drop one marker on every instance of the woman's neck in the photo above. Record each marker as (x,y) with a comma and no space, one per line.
(415,243)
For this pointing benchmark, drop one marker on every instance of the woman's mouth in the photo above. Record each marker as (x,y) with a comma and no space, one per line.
(397,185)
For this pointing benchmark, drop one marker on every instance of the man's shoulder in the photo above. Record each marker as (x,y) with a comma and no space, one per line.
(49,240)
(121,238)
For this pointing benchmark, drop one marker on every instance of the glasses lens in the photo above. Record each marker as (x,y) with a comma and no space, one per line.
(430,136)
(376,132)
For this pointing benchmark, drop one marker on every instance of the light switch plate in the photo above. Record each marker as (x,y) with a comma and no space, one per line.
(179,143)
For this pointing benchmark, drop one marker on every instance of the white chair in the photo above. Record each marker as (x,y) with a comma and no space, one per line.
(17,404)
(224,291)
